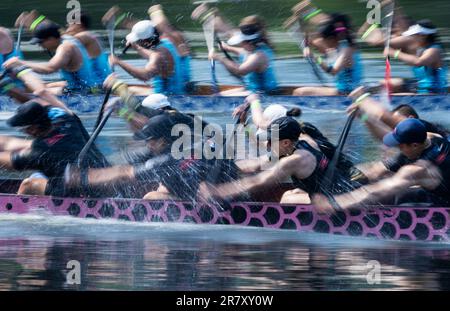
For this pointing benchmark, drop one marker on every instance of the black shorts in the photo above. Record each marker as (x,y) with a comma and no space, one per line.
(55,187)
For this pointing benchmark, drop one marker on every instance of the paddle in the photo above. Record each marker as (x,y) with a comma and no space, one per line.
(85,150)
(228,56)
(296,33)
(331,169)
(387,26)
(110,27)
(214,175)
(19,36)
(208,30)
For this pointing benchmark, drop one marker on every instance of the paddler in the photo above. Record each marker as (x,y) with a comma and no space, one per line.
(57,136)
(7,47)
(428,61)
(409,112)
(423,162)
(380,121)
(256,58)
(166,30)
(8,86)
(163,66)
(178,179)
(343,58)
(91,42)
(70,58)
(170,32)
(300,158)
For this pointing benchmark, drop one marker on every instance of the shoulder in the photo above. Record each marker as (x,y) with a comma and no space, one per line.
(300,158)
(432,51)
(85,36)
(67,45)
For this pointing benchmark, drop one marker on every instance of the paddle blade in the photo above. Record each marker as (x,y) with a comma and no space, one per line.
(388,15)
(110,28)
(386,96)
(19,37)
(208,31)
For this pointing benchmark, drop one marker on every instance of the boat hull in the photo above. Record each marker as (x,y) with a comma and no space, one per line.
(91,103)
(397,223)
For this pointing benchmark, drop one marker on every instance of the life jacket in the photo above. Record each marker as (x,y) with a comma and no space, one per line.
(439,155)
(326,146)
(346,178)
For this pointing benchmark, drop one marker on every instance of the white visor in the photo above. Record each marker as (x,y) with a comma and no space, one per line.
(239,37)
(156,101)
(270,114)
(418,30)
(140,31)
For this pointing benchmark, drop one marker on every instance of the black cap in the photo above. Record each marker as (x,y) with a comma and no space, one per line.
(28,114)
(157,127)
(285,127)
(45,30)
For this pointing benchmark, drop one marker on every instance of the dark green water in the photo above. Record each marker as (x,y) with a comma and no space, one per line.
(179,12)
(275,12)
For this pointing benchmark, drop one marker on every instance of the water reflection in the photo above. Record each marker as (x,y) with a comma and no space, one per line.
(197,263)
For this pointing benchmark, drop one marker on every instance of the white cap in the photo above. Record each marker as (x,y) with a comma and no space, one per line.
(140,31)
(418,30)
(239,37)
(156,101)
(271,113)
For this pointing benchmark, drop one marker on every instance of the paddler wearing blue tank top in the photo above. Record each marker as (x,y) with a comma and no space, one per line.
(343,60)
(428,64)
(69,57)
(256,64)
(93,46)
(164,64)
(7,52)
(177,38)
(7,47)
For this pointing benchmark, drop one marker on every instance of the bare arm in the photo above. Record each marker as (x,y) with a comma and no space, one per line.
(428,58)
(113,174)
(146,73)
(56,63)
(377,128)
(404,43)
(232,49)
(253,165)
(301,164)
(253,63)
(343,61)
(37,86)
(374,170)
(5,160)
(422,173)
(376,111)
(13,144)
